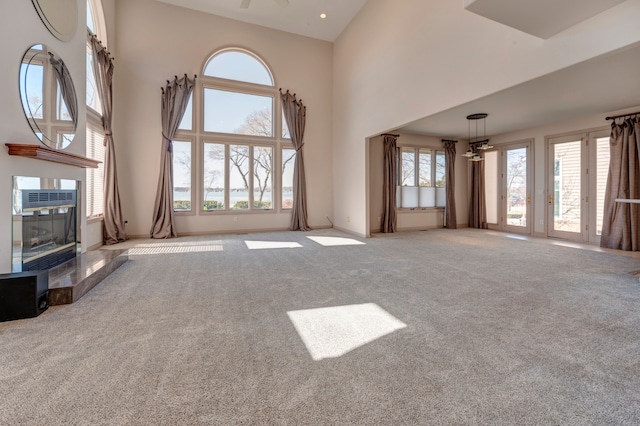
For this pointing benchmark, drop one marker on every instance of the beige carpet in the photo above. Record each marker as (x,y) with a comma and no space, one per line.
(437,327)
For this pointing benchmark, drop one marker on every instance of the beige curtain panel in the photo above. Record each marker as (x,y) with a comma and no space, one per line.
(621,220)
(389,184)
(450,220)
(477,201)
(175,98)
(113,225)
(295,114)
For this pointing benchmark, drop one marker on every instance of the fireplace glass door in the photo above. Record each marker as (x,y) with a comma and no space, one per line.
(44,224)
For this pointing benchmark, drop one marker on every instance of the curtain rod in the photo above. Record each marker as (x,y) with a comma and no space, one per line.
(449,140)
(613,117)
(390,134)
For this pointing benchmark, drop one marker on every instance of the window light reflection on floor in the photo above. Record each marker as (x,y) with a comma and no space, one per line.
(336,241)
(261,245)
(176,247)
(334,331)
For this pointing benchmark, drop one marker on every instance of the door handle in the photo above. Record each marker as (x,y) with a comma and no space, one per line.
(550,199)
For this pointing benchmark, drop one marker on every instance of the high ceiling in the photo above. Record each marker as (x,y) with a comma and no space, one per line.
(541,18)
(300,17)
(597,86)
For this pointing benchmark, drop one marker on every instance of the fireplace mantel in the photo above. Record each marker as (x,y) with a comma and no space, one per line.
(42,153)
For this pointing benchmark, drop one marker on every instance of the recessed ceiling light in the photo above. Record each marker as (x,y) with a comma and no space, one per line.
(323,15)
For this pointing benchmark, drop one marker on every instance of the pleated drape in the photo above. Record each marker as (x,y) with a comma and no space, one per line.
(295,114)
(477,200)
(389,184)
(450,220)
(621,220)
(175,98)
(113,224)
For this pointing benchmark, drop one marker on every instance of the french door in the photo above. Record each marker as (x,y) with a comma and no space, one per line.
(577,175)
(516,188)
(508,187)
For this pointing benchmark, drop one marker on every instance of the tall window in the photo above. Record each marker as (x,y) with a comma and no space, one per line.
(95,134)
(246,159)
(421,178)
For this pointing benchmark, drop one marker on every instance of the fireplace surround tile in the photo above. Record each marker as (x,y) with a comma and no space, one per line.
(73,279)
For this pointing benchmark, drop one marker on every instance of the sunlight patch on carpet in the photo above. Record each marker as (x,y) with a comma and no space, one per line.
(336,241)
(334,331)
(177,247)
(262,245)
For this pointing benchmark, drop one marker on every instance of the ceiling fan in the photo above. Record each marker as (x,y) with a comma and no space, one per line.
(245,3)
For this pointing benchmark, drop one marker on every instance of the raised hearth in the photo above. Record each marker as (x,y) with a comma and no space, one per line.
(71,280)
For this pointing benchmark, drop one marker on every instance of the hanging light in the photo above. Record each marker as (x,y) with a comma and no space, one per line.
(478,142)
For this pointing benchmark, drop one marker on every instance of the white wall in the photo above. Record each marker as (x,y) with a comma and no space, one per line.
(157,41)
(20,28)
(399,62)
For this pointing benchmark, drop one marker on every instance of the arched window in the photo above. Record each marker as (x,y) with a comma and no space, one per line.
(247,158)
(238,65)
(95,132)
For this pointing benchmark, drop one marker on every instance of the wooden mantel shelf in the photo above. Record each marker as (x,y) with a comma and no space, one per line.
(48,154)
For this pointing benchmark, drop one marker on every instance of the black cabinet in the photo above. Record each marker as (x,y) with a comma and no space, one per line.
(23,294)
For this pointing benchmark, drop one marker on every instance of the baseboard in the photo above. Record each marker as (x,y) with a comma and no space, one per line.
(96,246)
(348,231)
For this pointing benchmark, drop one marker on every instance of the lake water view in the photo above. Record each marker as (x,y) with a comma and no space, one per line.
(234,196)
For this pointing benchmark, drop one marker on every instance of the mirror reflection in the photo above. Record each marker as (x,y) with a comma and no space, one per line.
(48,97)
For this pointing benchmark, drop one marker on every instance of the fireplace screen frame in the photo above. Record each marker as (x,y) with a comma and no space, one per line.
(38,201)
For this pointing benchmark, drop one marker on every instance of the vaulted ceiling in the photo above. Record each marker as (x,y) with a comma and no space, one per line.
(600,85)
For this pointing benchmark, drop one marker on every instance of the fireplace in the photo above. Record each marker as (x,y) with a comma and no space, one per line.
(44,226)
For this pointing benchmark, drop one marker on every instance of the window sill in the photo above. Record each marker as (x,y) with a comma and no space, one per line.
(95,219)
(420,210)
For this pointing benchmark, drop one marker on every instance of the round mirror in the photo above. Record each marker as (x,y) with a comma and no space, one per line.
(59,16)
(48,97)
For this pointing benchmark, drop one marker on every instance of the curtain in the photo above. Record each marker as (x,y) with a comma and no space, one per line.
(113,223)
(175,97)
(67,91)
(390,184)
(477,202)
(621,221)
(450,220)
(295,115)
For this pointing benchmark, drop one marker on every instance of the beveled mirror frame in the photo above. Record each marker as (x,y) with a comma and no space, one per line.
(48,96)
(59,16)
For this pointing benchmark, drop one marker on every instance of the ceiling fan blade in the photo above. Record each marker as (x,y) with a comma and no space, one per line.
(245,4)
(282,3)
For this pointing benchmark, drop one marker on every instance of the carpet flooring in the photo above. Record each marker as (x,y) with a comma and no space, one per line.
(290,328)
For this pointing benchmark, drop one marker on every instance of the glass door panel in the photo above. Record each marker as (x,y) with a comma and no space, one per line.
(517,197)
(565,189)
(491,187)
(599,153)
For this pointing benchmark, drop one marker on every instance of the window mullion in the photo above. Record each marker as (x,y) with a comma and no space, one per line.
(251,178)
(227,180)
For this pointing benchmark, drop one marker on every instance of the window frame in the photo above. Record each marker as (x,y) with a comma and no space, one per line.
(192,210)
(417,150)
(93,117)
(277,141)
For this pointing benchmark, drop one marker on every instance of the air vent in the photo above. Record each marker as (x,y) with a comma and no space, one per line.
(45,198)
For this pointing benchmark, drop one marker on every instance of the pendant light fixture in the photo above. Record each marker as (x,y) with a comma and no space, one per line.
(478,142)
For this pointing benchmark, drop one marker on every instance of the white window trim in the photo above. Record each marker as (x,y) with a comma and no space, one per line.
(199,137)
